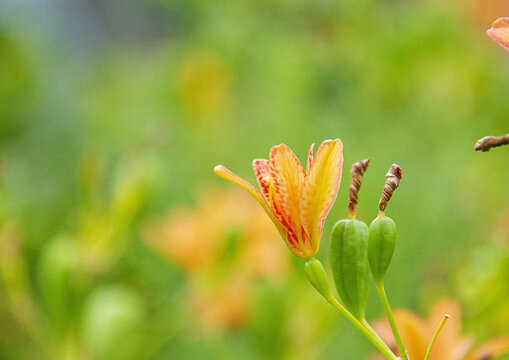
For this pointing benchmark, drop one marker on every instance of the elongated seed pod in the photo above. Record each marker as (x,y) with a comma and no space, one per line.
(357,173)
(381,245)
(349,263)
(488,142)
(318,278)
(393,177)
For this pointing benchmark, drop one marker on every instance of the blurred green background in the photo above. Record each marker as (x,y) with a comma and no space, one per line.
(117,241)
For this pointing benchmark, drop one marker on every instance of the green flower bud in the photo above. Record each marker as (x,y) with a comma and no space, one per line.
(349,262)
(382,241)
(318,278)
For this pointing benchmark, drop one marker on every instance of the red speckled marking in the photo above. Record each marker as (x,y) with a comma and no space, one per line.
(321,185)
(310,158)
(261,170)
(287,176)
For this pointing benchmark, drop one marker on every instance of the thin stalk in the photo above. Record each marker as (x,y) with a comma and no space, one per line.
(367,332)
(368,326)
(388,312)
(435,335)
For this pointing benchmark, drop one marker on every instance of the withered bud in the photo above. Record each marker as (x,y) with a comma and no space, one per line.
(357,173)
(488,142)
(393,177)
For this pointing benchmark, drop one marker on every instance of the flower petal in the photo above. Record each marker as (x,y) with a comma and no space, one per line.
(500,31)
(450,334)
(292,241)
(223,172)
(321,187)
(261,170)
(413,330)
(310,158)
(287,177)
(490,349)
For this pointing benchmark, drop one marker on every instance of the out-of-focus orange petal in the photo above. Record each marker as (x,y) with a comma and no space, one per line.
(383,329)
(500,32)
(310,158)
(490,349)
(320,188)
(226,174)
(450,334)
(413,332)
(286,177)
(261,170)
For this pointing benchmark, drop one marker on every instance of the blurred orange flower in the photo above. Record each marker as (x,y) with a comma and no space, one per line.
(296,200)
(226,306)
(195,239)
(484,11)
(225,234)
(500,31)
(450,345)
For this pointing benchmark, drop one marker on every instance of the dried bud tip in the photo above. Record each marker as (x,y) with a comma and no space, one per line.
(488,142)
(395,171)
(393,177)
(357,173)
(363,164)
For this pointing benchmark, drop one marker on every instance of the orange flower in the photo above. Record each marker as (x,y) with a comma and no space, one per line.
(196,238)
(500,31)
(451,345)
(297,200)
(224,245)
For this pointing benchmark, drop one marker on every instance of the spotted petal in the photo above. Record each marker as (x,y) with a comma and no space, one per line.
(286,176)
(310,158)
(261,170)
(321,187)
(500,32)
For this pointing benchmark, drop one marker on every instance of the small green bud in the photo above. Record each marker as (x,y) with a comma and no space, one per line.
(349,262)
(382,241)
(318,278)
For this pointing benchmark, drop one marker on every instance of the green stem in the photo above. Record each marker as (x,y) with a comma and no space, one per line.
(435,335)
(388,312)
(368,326)
(366,331)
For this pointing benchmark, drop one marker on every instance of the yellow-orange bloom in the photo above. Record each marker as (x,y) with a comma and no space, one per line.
(450,345)
(296,199)
(499,31)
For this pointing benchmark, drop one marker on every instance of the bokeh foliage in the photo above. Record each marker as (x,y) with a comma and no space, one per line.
(113,113)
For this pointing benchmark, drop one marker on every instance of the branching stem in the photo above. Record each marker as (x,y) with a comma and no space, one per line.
(366,330)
